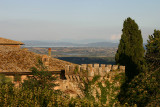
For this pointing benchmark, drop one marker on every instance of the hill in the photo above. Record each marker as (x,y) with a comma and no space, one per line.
(33,43)
(102,44)
(21,60)
(67,44)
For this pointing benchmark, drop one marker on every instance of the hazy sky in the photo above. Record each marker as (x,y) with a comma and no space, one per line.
(75,19)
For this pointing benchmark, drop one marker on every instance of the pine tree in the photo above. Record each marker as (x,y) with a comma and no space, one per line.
(153,50)
(130,51)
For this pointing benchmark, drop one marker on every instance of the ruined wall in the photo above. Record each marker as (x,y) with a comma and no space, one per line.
(76,75)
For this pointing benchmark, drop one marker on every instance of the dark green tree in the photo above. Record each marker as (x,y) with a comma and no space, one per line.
(153,50)
(130,51)
(143,90)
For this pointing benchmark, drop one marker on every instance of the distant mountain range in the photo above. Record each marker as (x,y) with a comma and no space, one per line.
(34,43)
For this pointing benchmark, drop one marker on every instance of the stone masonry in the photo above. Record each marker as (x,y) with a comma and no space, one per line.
(75,75)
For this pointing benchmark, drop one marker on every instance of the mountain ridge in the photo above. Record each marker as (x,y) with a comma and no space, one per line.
(33,43)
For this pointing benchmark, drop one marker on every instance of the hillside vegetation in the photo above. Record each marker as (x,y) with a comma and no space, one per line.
(143,90)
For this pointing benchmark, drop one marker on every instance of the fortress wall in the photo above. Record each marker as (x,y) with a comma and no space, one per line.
(88,71)
(85,72)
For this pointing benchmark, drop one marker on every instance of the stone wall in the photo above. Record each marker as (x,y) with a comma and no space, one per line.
(74,73)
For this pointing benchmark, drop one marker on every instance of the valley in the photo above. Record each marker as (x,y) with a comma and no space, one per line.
(80,55)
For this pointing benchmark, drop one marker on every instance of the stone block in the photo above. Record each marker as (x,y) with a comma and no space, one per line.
(122,68)
(66,69)
(90,65)
(84,66)
(83,71)
(107,70)
(109,67)
(90,78)
(96,65)
(96,71)
(70,77)
(103,67)
(78,78)
(74,78)
(114,67)
(90,72)
(101,72)
(71,69)
(67,77)
(79,68)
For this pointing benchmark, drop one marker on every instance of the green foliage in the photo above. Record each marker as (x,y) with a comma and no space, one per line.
(111,89)
(4,80)
(17,78)
(130,51)
(40,65)
(103,93)
(37,91)
(39,97)
(95,79)
(108,89)
(76,70)
(142,90)
(88,88)
(40,78)
(153,50)
(153,44)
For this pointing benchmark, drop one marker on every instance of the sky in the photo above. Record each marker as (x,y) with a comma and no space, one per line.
(74,20)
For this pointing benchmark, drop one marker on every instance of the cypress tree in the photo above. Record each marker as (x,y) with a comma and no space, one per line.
(130,51)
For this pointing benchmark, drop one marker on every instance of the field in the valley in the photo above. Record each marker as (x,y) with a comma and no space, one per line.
(80,55)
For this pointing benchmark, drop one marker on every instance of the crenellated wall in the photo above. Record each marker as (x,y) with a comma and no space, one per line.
(75,75)
(88,71)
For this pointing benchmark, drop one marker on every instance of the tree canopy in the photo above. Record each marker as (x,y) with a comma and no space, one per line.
(143,90)
(130,51)
(153,50)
